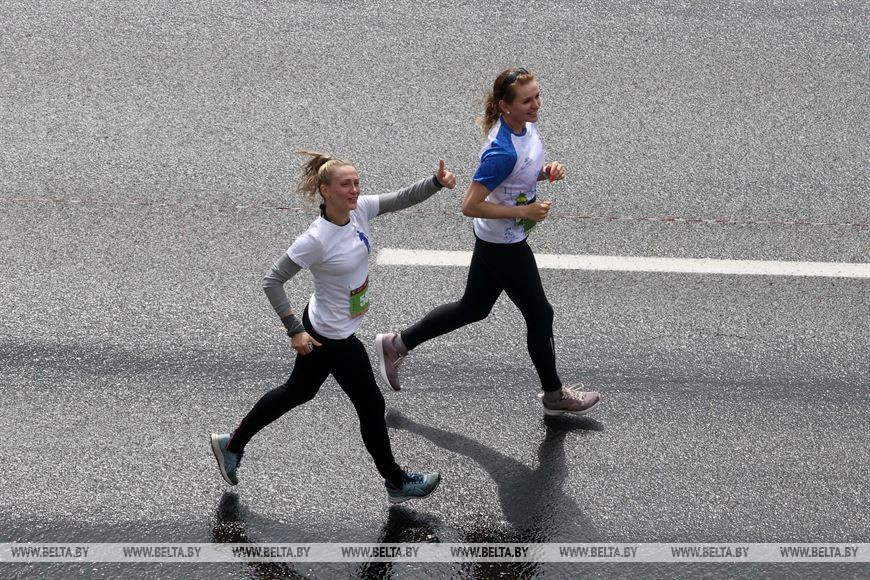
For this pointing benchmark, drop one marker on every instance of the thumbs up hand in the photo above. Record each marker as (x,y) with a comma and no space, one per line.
(444,177)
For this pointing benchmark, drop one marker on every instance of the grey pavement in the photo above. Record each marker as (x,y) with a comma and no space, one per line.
(145,151)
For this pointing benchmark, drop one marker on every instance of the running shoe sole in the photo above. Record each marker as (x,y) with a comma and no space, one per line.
(407,497)
(382,366)
(219,457)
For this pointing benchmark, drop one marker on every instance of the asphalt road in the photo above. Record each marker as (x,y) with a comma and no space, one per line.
(144,151)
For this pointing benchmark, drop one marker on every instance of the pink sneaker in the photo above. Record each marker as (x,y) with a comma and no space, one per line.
(390,358)
(573,402)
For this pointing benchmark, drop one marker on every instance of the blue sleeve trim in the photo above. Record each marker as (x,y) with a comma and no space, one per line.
(496,165)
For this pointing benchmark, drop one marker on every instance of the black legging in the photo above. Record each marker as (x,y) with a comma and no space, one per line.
(349,363)
(496,268)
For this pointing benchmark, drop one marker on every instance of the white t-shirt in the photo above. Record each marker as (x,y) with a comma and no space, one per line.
(338,257)
(509,169)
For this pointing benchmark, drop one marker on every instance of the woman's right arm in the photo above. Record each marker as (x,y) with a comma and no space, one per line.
(474,204)
(273,285)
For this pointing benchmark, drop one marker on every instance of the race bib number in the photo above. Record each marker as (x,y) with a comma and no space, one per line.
(359,300)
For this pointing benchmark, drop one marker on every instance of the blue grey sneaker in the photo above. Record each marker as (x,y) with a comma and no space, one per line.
(414,486)
(227,461)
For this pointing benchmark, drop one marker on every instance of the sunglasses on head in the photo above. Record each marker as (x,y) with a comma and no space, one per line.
(512,78)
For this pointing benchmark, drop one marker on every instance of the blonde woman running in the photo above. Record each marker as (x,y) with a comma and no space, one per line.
(336,249)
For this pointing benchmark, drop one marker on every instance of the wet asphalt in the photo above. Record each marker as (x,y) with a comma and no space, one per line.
(146,185)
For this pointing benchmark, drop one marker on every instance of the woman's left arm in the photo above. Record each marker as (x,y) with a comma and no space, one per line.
(418,192)
(552,171)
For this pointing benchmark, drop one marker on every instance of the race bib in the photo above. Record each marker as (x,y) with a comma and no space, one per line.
(526,224)
(359,300)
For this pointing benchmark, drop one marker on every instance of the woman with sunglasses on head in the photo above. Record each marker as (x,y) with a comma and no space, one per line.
(502,200)
(336,249)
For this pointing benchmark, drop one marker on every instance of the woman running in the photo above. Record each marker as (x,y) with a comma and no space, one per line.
(502,201)
(336,249)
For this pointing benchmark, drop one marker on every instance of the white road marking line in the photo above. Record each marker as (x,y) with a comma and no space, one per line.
(399,257)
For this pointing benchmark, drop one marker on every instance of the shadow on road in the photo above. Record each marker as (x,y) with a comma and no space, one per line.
(231,528)
(533,500)
(402,526)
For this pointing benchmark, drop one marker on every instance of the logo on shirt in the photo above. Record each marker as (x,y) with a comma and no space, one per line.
(526,162)
(365,240)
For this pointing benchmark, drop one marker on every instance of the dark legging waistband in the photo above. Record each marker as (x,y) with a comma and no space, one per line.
(309,328)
